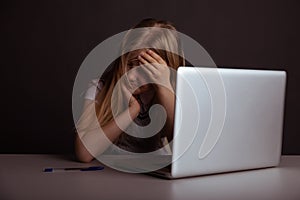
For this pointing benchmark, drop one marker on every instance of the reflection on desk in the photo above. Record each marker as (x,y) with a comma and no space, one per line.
(22,177)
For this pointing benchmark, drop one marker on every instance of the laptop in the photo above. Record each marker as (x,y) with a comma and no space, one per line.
(225,120)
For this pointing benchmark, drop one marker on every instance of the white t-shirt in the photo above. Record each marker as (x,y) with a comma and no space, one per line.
(127,142)
(93,89)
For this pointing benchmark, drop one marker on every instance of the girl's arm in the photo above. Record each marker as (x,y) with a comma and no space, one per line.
(91,140)
(166,98)
(158,71)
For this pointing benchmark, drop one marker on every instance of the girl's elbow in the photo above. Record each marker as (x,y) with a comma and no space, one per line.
(84,159)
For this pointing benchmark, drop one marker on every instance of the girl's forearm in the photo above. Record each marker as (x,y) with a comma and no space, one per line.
(167,99)
(96,140)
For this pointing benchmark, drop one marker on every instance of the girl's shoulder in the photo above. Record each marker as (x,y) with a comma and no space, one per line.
(94,87)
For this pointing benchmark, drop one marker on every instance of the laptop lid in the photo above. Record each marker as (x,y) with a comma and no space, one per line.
(227,120)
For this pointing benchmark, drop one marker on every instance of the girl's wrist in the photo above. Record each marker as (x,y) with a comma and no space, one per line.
(163,89)
(134,111)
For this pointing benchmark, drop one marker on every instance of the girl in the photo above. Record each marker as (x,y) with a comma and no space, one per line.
(152,66)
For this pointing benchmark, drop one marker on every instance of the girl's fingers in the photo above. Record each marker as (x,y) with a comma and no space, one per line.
(156,57)
(148,57)
(148,65)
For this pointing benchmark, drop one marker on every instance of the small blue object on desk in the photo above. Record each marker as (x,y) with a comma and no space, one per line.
(93,168)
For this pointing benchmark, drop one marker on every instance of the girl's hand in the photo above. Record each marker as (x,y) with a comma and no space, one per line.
(155,68)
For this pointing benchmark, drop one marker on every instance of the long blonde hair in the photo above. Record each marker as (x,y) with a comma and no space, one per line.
(162,42)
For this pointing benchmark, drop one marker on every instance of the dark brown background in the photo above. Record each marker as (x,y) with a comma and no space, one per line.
(44,42)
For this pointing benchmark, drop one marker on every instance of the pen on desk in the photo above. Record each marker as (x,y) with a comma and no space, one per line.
(93,168)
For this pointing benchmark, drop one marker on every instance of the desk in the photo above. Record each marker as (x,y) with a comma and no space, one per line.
(21,177)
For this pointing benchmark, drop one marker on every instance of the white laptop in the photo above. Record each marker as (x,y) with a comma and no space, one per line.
(236,129)
(225,120)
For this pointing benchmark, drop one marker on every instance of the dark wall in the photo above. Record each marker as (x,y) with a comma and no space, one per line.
(44,42)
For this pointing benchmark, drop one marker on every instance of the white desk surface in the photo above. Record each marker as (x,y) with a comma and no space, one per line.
(22,177)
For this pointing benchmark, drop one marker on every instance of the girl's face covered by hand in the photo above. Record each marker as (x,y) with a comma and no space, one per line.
(135,74)
(145,69)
